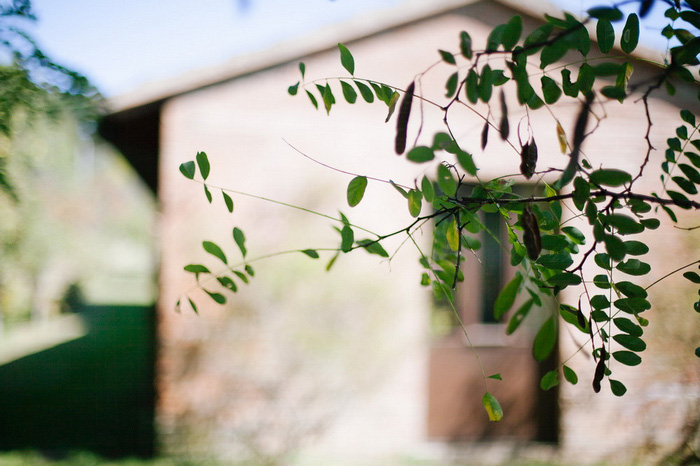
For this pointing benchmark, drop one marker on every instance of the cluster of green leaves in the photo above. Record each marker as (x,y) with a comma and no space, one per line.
(550,254)
(231,276)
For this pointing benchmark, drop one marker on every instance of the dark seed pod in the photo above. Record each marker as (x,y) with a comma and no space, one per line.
(528,157)
(402,120)
(531,233)
(599,370)
(504,127)
(485,136)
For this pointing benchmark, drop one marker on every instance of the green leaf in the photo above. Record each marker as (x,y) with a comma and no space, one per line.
(549,380)
(631,290)
(618,388)
(692,276)
(575,234)
(188,169)
(346,59)
(679,199)
(203,163)
(228,201)
(688,117)
(493,408)
(446,181)
(241,275)
(451,84)
(249,270)
(564,279)
(302,69)
(420,154)
(486,83)
(570,375)
(312,253)
(452,235)
(227,282)
(630,34)
(506,298)
(550,90)
(239,238)
(217,297)
(327,96)
(600,301)
(495,377)
(415,202)
(466,161)
(628,326)
(356,190)
(511,32)
(207,193)
(348,92)
(557,261)
(518,316)
(545,340)
(636,248)
(632,305)
(399,189)
(627,358)
(634,267)
(552,53)
(293,89)
(630,342)
(347,238)
(196,269)
(313,100)
(465,44)
(373,247)
(605,35)
(610,177)
(365,91)
(495,37)
(447,57)
(624,224)
(472,86)
(610,13)
(194,308)
(428,191)
(214,250)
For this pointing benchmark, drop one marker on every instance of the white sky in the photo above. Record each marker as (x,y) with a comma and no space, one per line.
(122,44)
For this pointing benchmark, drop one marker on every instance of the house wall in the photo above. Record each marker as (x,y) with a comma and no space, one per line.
(336,363)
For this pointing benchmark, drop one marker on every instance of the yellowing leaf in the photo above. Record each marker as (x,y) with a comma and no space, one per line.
(561,136)
(452,235)
(493,407)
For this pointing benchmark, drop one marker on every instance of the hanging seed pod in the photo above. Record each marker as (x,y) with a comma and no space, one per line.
(485,136)
(531,233)
(528,157)
(504,126)
(599,370)
(402,120)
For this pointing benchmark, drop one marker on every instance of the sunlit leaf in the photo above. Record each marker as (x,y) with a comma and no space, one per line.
(415,202)
(493,408)
(452,235)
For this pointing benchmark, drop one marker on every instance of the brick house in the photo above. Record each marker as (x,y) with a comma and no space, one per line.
(343,364)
